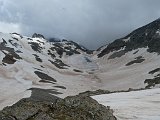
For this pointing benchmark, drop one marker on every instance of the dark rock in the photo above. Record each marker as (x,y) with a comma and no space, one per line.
(35,46)
(117,54)
(44,76)
(158,75)
(10,51)
(9,59)
(152,82)
(100,48)
(58,48)
(40,42)
(70,108)
(80,47)
(37,58)
(47,95)
(139,59)
(46,81)
(37,69)
(18,35)
(156,80)
(51,54)
(154,71)
(81,108)
(23,110)
(77,70)
(42,66)
(10,55)
(35,35)
(62,87)
(59,64)
(67,47)
(18,51)
(93,93)
(14,44)
(64,40)
(29,39)
(116,45)
(15,38)
(136,52)
(145,36)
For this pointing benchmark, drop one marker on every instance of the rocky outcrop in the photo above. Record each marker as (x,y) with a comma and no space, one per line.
(71,108)
(96,92)
(35,35)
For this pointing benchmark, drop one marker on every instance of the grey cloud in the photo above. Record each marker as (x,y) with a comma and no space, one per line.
(92,23)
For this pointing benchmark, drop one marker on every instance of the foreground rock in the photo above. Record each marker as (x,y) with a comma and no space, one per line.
(71,108)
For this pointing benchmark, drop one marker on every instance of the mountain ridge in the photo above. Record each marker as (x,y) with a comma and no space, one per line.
(146,36)
(41,70)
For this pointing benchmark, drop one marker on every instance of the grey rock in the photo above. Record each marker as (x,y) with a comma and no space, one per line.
(78,107)
(35,35)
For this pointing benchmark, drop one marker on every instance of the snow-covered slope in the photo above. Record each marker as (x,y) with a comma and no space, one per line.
(135,105)
(128,62)
(37,68)
(34,64)
(128,71)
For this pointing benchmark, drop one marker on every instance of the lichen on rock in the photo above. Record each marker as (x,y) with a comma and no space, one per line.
(78,107)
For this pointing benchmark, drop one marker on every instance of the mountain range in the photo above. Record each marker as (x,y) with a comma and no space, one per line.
(43,70)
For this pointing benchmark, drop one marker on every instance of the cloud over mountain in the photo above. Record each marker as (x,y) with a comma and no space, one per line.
(89,22)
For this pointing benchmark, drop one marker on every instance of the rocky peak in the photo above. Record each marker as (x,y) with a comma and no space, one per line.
(35,35)
(146,36)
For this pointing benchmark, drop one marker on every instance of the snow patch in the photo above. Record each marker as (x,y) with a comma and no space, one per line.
(135,105)
(126,40)
(82,62)
(158,32)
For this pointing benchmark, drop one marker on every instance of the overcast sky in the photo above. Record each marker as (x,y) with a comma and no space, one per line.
(91,23)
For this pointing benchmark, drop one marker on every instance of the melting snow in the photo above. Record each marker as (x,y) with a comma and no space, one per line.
(126,40)
(82,62)
(135,105)
(158,32)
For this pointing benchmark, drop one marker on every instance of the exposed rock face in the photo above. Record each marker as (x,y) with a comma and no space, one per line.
(35,35)
(146,36)
(139,59)
(71,108)
(10,53)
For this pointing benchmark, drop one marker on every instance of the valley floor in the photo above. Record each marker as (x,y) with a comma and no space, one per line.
(135,105)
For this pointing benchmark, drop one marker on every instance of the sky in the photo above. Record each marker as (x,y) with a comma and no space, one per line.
(91,23)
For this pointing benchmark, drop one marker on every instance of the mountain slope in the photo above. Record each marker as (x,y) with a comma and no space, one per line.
(127,62)
(146,36)
(45,68)
(135,105)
